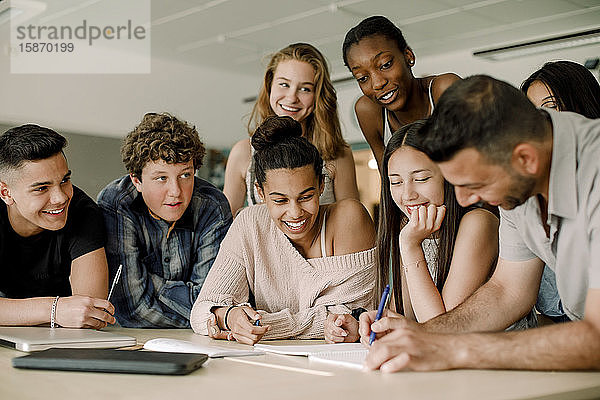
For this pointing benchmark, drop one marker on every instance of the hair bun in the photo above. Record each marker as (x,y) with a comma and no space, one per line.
(275,130)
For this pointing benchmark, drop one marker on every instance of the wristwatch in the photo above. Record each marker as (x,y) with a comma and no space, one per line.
(357,311)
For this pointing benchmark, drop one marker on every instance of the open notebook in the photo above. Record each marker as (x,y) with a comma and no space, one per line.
(185,346)
(342,354)
(351,359)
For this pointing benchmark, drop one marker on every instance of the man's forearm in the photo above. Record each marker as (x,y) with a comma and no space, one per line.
(569,346)
(489,309)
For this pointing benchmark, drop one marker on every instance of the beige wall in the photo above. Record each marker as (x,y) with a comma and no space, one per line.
(368,180)
(94,161)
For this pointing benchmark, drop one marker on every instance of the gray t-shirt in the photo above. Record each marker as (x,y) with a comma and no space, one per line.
(573,249)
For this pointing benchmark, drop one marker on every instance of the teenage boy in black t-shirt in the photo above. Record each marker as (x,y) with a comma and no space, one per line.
(52,261)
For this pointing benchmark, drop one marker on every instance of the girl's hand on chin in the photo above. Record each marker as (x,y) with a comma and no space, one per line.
(422,223)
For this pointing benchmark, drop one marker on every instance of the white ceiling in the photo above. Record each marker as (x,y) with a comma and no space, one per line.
(237,35)
(208,56)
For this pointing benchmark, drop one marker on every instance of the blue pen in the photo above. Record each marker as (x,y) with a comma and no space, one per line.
(257,322)
(384,297)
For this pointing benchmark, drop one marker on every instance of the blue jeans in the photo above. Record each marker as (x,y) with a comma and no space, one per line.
(548,301)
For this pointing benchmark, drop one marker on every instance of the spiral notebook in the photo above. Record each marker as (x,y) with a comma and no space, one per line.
(350,355)
(351,359)
(309,349)
(185,346)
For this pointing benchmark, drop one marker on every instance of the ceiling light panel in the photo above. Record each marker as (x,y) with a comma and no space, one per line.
(542,45)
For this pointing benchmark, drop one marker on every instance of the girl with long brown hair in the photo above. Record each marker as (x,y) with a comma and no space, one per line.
(435,252)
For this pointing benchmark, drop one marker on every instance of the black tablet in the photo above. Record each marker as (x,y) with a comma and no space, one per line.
(110,360)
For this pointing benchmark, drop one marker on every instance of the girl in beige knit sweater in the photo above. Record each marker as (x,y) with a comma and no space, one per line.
(293,259)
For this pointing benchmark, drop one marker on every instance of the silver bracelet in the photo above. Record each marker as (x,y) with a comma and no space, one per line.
(53,313)
(406,267)
(231,308)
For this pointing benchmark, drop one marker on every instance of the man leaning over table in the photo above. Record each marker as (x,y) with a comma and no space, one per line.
(543,169)
(51,237)
(164,225)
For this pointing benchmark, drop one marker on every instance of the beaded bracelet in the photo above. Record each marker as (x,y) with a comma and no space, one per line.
(405,267)
(231,308)
(53,313)
(357,311)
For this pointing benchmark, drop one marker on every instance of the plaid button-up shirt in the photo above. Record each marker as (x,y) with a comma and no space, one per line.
(164,265)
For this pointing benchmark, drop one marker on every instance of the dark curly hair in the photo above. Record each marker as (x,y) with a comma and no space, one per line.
(161,137)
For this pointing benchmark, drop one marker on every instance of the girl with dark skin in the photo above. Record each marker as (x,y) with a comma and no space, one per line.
(378,56)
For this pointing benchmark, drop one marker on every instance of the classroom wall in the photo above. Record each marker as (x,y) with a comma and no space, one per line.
(95,111)
(110,105)
(93,160)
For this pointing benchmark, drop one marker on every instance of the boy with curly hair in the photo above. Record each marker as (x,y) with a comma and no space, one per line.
(164,225)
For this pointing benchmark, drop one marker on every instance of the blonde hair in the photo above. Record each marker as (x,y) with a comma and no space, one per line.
(323,124)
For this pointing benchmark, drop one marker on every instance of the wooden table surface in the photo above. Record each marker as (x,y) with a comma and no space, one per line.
(280,377)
